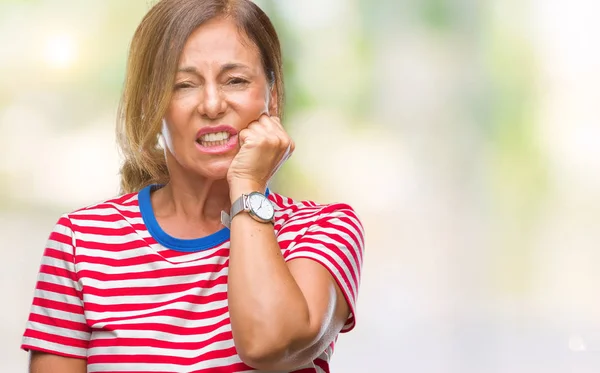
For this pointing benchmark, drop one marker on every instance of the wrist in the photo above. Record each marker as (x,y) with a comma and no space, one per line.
(238,187)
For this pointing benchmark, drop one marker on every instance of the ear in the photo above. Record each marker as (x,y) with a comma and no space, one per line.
(273,100)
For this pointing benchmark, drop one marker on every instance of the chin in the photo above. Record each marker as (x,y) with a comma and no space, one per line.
(215,170)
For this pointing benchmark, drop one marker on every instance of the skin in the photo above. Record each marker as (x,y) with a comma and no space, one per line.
(298,308)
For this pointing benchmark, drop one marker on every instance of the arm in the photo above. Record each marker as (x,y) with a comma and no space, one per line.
(41,362)
(57,333)
(283,315)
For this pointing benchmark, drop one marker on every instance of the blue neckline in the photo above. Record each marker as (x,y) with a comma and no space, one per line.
(170,242)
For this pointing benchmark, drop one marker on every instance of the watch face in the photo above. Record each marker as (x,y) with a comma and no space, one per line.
(261,206)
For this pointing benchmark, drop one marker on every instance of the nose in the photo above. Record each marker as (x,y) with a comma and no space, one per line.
(213,104)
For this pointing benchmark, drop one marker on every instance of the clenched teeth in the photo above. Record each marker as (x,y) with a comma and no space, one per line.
(215,137)
(212,143)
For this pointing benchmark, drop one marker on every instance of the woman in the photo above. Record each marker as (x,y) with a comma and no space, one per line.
(152,280)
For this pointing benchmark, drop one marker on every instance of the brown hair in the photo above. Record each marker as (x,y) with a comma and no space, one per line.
(151,69)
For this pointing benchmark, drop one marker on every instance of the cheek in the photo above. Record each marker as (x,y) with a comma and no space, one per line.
(252,102)
(174,124)
(181,108)
(177,117)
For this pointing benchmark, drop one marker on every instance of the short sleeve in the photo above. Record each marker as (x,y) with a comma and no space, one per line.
(336,241)
(56,322)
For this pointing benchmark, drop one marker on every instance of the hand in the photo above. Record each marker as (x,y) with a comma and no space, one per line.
(264,147)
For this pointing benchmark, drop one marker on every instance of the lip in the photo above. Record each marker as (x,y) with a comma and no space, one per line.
(230,145)
(214,129)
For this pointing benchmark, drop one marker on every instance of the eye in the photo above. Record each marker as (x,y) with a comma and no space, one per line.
(237,81)
(183,85)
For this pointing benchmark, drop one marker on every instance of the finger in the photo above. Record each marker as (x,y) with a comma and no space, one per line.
(243,136)
(266,121)
(272,127)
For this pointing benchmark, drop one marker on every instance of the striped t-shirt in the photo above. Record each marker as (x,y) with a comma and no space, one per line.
(116,289)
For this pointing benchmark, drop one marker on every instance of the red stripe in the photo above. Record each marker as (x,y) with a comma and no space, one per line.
(161,359)
(151,257)
(163,344)
(57,271)
(108,218)
(298,214)
(292,217)
(342,241)
(238,367)
(339,227)
(105,231)
(54,305)
(127,307)
(162,327)
(211,254)
(322,364)
(61,323)
(58,339)
(60,238)
(109,205)
(110,247)
(155,274)
(58,254)
(181,314)
(58,289)
(122,291)
(29,347)
(330,259)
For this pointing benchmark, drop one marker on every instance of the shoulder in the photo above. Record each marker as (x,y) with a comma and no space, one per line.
(307,213)
(109,210)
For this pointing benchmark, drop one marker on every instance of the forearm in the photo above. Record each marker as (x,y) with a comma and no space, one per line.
(269,314)
(41,362)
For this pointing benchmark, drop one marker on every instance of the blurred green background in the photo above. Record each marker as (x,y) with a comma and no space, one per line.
(465,133)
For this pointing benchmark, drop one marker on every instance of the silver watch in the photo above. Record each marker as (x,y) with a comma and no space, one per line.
(255,203)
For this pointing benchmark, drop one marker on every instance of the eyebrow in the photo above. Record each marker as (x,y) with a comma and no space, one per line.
(226,67)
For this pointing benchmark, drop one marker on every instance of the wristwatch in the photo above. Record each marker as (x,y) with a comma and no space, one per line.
(256,204)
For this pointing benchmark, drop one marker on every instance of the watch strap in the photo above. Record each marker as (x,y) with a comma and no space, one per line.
(237,206)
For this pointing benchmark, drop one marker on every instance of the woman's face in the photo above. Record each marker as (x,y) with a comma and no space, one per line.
(219,89)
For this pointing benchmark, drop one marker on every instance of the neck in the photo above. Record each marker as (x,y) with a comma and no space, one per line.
(199,201)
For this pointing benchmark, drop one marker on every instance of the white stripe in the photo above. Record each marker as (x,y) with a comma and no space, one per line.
(156,282)
(47,345)
(172,320)
(59,246)
(351,227)
(57,263)
(62,229)
(299,221)
(57,330)
(185,306)
(304,213)
(121,254)
(103,207)
(56,314)
(107,224)
(290,235)
(104,239)
(327,239)
(58,280)
(136,367)
(154,298)
(58,297)
(140,268)
(160,336)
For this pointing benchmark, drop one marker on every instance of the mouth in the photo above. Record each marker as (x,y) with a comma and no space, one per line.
(214,139)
